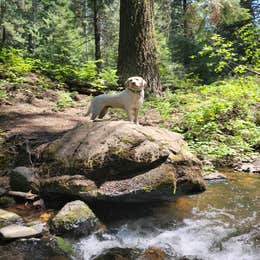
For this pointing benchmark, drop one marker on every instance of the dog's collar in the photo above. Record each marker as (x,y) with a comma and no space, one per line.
(135,91)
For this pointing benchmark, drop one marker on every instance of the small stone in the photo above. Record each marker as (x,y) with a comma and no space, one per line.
(7,218)
(17,231)
(215,176)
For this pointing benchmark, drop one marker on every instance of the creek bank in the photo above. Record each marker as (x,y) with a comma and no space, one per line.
(113,161)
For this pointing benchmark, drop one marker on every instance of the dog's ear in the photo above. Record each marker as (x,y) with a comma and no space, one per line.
(127,83)
(144,83)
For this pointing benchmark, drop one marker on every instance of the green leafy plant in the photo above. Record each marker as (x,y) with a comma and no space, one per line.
(13,63)
(64,101)
(218,120)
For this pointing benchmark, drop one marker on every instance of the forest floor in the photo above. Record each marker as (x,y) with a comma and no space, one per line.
(28,116)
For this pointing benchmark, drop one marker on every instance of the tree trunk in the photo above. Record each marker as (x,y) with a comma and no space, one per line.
(3,31)
(97,32)
(85,26)
(32,18)
(137,52)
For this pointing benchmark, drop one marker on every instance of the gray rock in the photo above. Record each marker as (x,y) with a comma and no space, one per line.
(75,218)
(253,167)
(120,158)
(215,176)
(24,179)
(18,231)
(7,218)
(38,249)
(2,191)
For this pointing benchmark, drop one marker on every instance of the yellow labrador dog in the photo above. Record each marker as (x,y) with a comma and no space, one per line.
(129,99)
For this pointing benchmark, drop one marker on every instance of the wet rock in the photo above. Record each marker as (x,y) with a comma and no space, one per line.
(24,179)
(116,155)
(75,218)
(37,249)
(154,253)
(18,231)
(215,176)
(119,253)
(2,191)
(61,189)
(7,218)
(189,257)
(253,167)
(6,202)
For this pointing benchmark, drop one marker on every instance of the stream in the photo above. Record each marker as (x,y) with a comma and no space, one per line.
(221,223)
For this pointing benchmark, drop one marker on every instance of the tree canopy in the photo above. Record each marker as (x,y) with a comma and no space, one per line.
(203,40)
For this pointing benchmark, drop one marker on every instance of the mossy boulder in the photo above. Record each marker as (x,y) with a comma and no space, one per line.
(76,219)
(124,161)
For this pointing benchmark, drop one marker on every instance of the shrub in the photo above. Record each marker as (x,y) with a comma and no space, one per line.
(13,63)
(217,120)
(64,101)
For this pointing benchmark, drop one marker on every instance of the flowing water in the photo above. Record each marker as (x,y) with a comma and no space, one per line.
(221,223)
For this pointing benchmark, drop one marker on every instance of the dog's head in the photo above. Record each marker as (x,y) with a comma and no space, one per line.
(135,83)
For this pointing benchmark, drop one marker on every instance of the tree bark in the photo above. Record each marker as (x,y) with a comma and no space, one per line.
(97,32)
(137,51)
(3,31)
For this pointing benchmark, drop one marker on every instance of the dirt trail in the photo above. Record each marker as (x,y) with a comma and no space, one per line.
(37,116)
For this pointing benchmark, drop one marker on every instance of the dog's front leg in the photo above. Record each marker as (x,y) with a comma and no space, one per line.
(136,111)
(129,117)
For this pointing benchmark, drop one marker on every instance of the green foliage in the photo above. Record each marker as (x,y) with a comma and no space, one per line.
(217,120)
(248,36)
(234,56)
(64,246)
(13,63)
(65,100)
(3,94)
(85,74)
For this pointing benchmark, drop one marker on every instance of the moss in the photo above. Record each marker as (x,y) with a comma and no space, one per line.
(89,164)
(148,188)
(73,216)
(6,202)
(64,246)
(67,188)
(5,158)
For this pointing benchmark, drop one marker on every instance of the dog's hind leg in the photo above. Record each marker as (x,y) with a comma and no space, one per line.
(103,112)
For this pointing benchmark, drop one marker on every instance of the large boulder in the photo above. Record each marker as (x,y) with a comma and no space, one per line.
(122,161)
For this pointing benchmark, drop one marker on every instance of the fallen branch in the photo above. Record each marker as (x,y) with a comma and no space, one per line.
(27,195)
